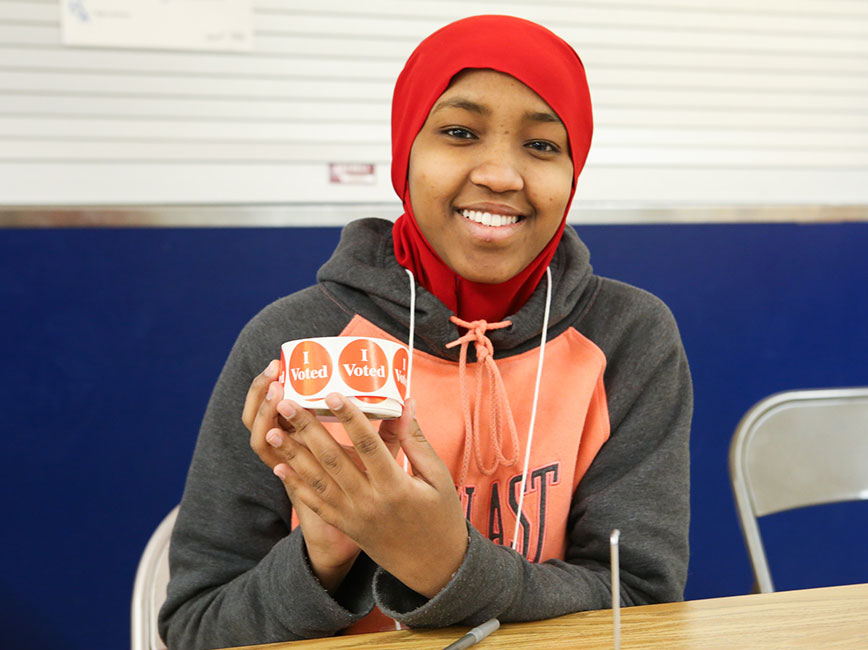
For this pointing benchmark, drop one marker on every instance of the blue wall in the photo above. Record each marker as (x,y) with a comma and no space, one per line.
(111,341)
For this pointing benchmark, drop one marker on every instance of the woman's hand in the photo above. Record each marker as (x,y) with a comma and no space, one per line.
(411,525)
(331,553)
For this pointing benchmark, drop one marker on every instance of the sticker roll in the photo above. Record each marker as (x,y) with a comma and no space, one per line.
(370,372)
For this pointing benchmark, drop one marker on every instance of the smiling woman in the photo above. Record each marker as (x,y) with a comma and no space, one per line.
(476,72)
(527,440)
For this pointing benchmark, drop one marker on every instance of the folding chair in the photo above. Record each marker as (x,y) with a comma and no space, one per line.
(149,589)
(796,449)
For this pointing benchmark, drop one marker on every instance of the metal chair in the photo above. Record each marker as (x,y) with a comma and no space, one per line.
(795,449)
(149,589)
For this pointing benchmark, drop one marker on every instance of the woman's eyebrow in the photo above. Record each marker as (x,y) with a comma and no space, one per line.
(461,102)
(542,116)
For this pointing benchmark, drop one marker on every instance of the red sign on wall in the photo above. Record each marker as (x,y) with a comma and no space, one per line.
(352,173)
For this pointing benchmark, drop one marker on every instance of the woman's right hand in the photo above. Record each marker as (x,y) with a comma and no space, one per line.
(331,553)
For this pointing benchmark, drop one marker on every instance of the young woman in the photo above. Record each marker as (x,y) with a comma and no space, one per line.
(549,406)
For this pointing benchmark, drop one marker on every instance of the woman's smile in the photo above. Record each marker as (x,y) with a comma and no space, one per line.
(488,219)
(496,232)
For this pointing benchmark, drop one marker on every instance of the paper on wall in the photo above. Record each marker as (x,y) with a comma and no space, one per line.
(163,24)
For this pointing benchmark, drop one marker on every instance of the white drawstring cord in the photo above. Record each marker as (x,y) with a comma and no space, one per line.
(542,347)
(412,329)
(398,626)
(410,345)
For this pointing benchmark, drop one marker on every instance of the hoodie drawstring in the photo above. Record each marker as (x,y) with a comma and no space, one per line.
(499,401)
(412,330)
(539,369)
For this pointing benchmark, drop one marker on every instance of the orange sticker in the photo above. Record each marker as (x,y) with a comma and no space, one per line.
(399,369)
(363,366)
(310,368)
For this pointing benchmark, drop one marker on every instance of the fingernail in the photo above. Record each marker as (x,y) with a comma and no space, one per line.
(274,439)
(279,473)
(334,402)
(271,369)
(273,391)
(286,409)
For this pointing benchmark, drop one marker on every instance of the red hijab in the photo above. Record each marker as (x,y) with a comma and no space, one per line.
(540,60)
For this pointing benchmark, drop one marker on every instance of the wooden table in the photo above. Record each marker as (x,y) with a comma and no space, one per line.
(813,619)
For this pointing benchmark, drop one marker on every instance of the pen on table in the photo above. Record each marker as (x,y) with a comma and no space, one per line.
(475,635)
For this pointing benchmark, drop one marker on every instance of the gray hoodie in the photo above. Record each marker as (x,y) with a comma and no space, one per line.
(239,571)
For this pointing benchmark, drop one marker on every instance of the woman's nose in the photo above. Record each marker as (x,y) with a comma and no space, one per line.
(498,174)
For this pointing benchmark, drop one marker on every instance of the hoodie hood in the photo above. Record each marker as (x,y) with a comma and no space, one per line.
(364,275)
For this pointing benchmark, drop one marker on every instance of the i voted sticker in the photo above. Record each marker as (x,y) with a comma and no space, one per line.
(363,366)
(309,368)
(369,371)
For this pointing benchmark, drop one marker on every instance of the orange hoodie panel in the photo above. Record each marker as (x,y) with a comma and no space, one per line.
(572,423)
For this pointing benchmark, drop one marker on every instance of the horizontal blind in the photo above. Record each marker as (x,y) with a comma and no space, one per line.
(697,102)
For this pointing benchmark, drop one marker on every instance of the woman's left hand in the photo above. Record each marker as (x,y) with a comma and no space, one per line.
(411,525)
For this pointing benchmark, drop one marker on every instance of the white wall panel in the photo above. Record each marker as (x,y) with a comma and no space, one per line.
(715,104)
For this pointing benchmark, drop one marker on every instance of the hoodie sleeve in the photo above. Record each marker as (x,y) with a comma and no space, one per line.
(638,483)
(238,575)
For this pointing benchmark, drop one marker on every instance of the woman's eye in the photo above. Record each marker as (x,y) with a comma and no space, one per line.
(543,146)
(458,132)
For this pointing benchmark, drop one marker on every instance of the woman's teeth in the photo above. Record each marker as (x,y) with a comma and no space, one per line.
(488,219)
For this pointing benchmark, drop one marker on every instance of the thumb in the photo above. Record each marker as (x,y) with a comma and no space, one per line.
(390,430)
(424,460)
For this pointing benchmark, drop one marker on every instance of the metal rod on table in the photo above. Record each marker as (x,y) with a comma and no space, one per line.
(616,586)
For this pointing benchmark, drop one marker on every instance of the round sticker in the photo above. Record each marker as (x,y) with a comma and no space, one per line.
(363,366)
(399,369)
(310,368)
